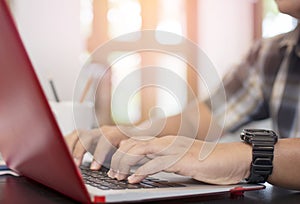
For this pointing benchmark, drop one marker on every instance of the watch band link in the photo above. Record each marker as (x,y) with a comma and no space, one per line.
(262,142)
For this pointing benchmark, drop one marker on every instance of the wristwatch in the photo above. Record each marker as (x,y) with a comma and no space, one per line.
(262,142)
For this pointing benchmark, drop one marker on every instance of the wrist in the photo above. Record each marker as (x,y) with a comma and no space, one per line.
(246,157)
(234,160)
(242,158)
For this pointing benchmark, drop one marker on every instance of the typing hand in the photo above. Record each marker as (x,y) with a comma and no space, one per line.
(228,163)
(99,142)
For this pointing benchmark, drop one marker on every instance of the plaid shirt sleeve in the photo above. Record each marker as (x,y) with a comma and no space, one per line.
(244,94)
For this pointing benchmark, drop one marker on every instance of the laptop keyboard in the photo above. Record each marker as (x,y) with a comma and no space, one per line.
(101,180)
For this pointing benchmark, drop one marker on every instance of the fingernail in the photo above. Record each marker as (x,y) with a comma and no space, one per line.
(94,166)
(111,174)
(77,161)
(131,178)
(118,175)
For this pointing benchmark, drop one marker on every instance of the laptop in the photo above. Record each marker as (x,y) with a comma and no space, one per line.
(32,145)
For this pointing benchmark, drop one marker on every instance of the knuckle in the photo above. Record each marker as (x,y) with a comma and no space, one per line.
(74,132)
(145,146)
(123,143)
(77,155)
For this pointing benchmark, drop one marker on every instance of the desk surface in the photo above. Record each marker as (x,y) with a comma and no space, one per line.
(22,190)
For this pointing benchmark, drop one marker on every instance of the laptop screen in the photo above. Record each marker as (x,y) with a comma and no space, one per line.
(30,140)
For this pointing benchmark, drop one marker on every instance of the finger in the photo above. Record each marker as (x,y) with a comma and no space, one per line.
(103,148)
(90,139)
(161,163)
(84,144)
(78,153)
(144,160)
(124,158)
(124,147)
(134,152)
(132,157)
(71,140)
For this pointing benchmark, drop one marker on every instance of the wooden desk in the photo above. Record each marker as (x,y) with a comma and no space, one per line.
(23,191)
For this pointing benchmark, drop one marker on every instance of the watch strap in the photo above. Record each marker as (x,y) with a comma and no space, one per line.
(262,142)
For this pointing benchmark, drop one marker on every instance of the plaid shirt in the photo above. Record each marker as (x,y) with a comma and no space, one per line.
(265,85)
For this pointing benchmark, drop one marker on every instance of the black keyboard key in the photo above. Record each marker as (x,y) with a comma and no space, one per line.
(155,184)
(171,184)
(100,179)
(144,185)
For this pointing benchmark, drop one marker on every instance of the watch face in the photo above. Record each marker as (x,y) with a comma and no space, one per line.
(262,135)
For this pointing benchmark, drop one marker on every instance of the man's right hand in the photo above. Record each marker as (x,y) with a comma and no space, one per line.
(99,142)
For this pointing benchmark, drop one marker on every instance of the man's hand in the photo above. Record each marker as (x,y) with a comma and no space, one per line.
(99,142)
(228,163)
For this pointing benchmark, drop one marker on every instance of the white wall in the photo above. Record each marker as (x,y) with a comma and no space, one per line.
(225,30)
(50,30)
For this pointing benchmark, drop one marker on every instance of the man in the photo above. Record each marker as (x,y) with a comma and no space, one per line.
(266,85)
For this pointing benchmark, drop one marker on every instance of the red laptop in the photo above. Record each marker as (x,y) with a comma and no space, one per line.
(32,145)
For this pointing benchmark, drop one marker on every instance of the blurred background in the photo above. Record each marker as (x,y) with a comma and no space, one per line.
(60,35)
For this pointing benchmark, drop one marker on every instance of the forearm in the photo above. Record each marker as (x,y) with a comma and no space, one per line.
(193,122)
(235,161)
(196,122)
(157,127)
(286,164)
